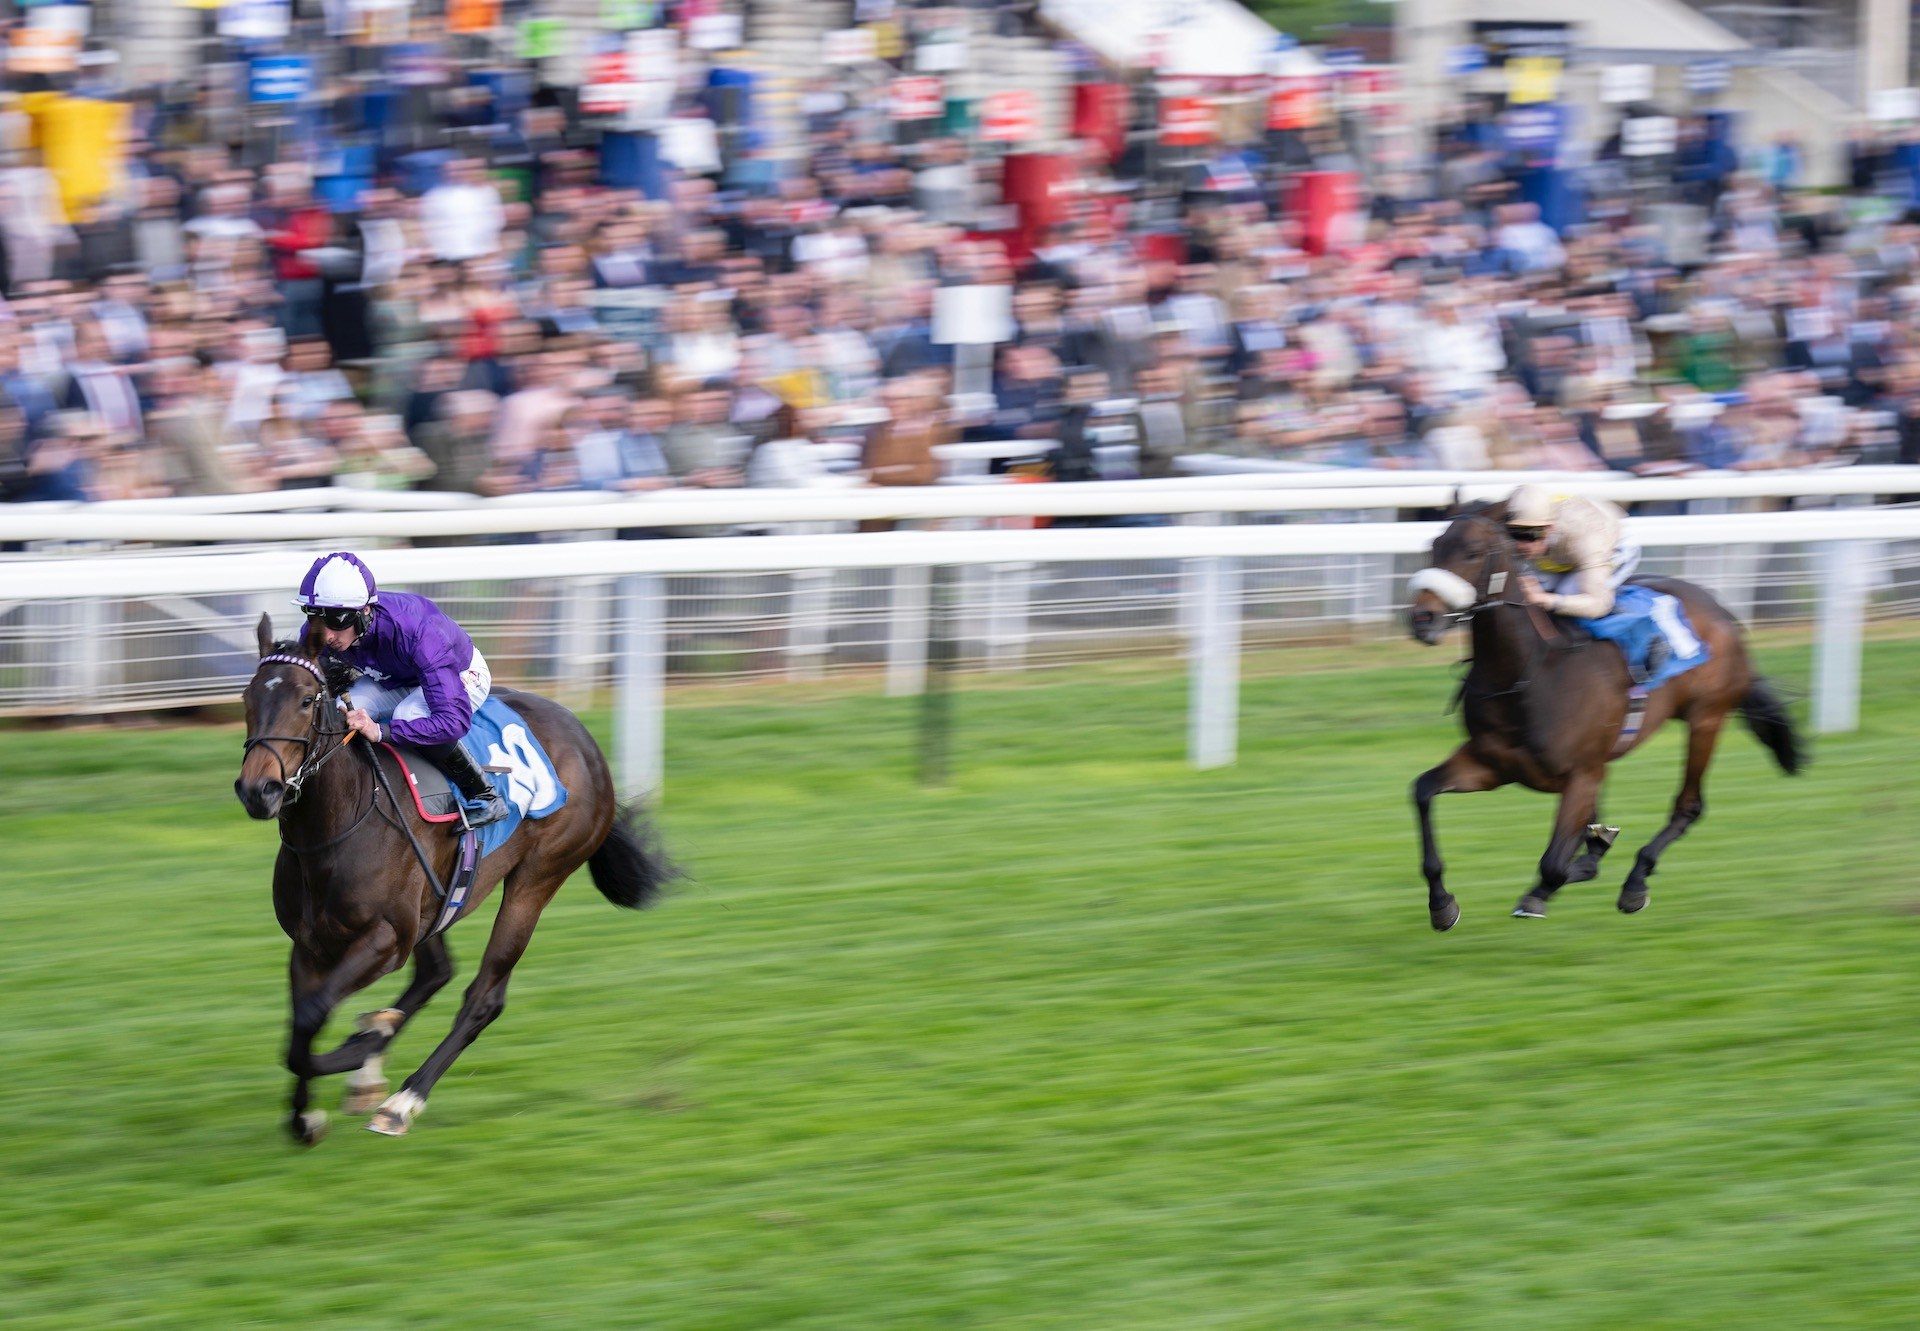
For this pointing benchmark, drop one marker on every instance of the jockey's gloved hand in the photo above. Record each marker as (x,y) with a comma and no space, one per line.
(340,677)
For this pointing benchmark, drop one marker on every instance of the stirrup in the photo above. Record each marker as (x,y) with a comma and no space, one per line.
(490,811)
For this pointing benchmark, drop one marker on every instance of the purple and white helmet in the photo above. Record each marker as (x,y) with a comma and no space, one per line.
(339,581)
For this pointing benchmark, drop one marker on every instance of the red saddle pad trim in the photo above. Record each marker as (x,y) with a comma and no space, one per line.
(413,788)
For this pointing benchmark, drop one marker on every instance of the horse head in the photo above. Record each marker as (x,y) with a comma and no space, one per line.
(287,704)
(1472,563)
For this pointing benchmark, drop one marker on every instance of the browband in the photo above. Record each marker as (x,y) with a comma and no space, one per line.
(288,658)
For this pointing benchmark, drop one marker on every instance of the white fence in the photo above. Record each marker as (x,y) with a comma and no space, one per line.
(109,633)
(1346,491)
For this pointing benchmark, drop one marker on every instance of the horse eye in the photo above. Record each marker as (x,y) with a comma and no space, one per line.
(309,700)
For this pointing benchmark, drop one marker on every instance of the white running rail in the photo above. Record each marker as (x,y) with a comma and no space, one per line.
(102,633)
(444,516)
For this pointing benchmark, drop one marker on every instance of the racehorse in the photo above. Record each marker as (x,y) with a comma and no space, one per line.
(1545,706)
(350,892)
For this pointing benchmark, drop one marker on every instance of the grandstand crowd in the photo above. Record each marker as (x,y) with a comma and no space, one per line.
(493,318)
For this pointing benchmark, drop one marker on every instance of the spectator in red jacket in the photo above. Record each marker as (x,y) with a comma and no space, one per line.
(295,223)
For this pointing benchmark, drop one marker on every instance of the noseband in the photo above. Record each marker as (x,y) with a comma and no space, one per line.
(310,761)
(1487,591)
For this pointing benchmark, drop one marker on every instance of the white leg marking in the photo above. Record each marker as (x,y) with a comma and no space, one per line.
(394,1117)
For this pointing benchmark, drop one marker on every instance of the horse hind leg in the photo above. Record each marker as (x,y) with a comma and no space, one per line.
(1578,803)
(520,908)
(1688,807)
(375,1031)
(1598,841)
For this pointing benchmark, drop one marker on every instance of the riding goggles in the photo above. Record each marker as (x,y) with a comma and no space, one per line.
(1526,533)
(336,617)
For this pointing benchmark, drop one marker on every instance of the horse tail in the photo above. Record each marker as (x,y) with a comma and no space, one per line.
(1767,718)
(630,868)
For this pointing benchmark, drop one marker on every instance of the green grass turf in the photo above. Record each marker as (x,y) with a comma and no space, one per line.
(1087,1040)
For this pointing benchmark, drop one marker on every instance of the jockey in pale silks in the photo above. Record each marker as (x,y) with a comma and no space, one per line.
(1584,556)
(1578,544)
(420,675)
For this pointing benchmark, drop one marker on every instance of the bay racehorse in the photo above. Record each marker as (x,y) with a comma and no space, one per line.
(1545,706)
(351,893)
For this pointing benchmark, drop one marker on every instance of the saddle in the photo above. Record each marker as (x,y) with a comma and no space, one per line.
(435,797)
(437,801)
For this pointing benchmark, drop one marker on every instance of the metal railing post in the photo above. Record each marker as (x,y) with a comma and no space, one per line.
(1214,679)
(641,703)
(1838,627)
(907,631)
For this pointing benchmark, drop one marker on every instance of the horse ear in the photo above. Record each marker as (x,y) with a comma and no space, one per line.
(1497,510)
(264,632)
(310,639)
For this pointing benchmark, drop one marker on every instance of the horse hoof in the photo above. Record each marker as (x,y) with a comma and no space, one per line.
(363,1099)
(310,1127)
(394,1117)
(384,1022)
(1530,908)
(1447,916)
(1631,903)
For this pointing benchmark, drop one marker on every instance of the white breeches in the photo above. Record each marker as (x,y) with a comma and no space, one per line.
(386,704)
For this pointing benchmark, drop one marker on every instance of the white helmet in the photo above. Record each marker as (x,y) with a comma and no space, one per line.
(1530,506)
(338,581)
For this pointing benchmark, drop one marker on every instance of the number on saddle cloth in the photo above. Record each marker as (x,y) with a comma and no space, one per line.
(530,782)
(1642,619)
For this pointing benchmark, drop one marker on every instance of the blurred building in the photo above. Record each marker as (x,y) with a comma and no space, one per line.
(1805,69)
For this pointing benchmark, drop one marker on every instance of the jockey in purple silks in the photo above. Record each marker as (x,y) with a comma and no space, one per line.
(421,676)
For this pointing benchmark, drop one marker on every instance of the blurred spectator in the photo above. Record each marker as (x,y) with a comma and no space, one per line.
(65,463)
(226,319)
(458,440)
(462,216)
(702,446)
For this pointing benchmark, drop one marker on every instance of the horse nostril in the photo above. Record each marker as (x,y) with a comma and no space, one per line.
(260,797)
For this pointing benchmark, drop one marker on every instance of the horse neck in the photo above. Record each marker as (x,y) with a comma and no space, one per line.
(333,797)
(1504,643)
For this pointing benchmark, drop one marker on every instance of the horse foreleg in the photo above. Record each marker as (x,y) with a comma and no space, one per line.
(1688,806)
(1578,803)
(367,1084)
(1461,772)
(316,990)
(520,909)
(1598,841)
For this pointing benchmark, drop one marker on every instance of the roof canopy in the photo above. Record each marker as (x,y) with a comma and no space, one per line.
(1181,38)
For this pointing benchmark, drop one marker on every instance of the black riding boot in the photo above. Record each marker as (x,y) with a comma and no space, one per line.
(458,764)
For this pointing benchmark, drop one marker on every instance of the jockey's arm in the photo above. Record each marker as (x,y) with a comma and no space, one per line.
(1594,598)
(449,713)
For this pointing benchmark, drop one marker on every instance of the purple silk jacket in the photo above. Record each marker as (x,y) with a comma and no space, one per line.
(412,644)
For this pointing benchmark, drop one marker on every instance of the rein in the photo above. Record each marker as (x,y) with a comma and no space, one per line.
(1546,636)
(310,763)
(323,703)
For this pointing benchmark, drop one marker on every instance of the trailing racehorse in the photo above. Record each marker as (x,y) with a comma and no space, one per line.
(350,890)
(1546,708)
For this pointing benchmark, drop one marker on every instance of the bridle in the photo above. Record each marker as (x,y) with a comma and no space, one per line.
(1487,590)
(1490,589)
(313,753)
(314,757)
